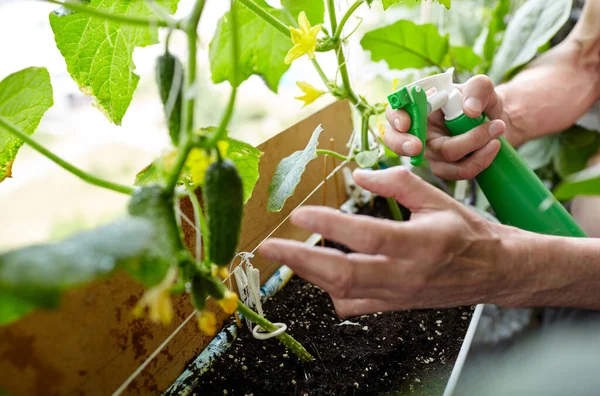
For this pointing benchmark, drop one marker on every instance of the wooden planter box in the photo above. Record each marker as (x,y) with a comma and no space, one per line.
(93,343)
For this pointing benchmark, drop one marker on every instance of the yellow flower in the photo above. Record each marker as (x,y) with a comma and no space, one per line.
(380,127)
(196,165)
(304,39)
(310,93)
(158,300)
(223,147)
(229,302)
(207,321)
(223,272)
(395,84)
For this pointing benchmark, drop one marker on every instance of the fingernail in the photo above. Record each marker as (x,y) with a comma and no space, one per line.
(473,104)
(407,147)
(496,128)
(397,123)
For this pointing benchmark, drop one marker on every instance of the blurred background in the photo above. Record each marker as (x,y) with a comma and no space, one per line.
(43,202)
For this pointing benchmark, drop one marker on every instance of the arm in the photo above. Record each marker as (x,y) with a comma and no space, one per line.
(555,90)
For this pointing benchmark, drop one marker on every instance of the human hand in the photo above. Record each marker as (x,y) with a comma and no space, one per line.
(444,256)
(448,155)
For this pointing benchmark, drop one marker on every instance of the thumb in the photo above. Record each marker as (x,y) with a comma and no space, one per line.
(405,187)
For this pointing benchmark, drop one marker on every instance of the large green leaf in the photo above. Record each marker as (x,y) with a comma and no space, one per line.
(246,159)
(314,9)
(389,3)
(36,276)
(24,98)
(539,152)
(586,182)
(463,58)
(495,28)
(289,172)
(533,25)
(153,203)
(98,52)
(576,147)
(262,48)
(405,44)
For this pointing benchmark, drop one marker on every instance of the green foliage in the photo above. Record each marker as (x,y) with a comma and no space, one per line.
(289,172)
(532,26)
(98,52)
(314,9)
(586,182)
(463,58)
(156,205)
(577,145)
(170,80)
(405,44)
(538,153)
(24,98)
(36,276)
(389,3)
(495,28)
(224,200)
(367,159)
(261,51)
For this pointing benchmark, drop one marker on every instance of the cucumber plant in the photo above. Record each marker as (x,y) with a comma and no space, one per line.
(97,39)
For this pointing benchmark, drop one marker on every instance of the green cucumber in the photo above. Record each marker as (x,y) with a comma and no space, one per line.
(169,75)
(224,199)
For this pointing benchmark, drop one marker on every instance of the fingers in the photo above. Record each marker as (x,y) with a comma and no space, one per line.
(469,167)
(362,306)
(479,96)
(397,139)
(342,276)
(376,236)
(452,149)
(406,187)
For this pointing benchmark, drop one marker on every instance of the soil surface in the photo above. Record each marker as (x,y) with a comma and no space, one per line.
(379,354)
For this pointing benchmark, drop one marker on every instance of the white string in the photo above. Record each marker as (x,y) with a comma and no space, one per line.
(141,368)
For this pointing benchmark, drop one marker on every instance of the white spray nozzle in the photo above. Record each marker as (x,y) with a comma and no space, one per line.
(441,93)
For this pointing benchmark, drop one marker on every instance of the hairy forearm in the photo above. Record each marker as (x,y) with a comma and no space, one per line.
(551,271)
(559,87)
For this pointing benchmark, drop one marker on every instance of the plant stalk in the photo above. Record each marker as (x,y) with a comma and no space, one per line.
(130,20)
(349,12)
(270,19)
(332,16)
(64,164)
(285,338)
(201,226)
(332,153)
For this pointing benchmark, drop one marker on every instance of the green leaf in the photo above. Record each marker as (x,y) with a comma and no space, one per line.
(24,98)
(98,52)
(496,27)
(586,182)
(539,152)
(36,276)
(405,44)
(152,174)
(246,159)
(261,51)
(314,9)
(389,3)
(153,203)
(533,25)
(576,146)
(367,159)
(464,58)
(289,172)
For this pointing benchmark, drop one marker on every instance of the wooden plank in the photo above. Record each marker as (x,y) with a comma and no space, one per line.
(92,344)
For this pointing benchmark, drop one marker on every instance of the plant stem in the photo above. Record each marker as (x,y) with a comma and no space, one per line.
(222,131)
(392,203)
(285,338)
(189,94)
(130,20)
(64,164)
(270,19)
(349,12)
(200,221)
(364,132)
(332,154)
(332,17)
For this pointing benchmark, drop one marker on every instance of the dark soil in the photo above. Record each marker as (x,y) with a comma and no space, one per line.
(380,354)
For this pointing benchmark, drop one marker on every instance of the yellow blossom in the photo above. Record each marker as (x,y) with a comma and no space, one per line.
(304,39)
(223,147)
(395,83)
(380,127)
(229,302)
(207,321)
(157,300)
(196,165)
(223,272)
(310,93)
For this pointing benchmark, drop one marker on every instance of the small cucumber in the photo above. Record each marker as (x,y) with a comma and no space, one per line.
(224,199)
(169,75)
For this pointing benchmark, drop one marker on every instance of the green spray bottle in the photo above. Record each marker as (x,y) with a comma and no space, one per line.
(517,195)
